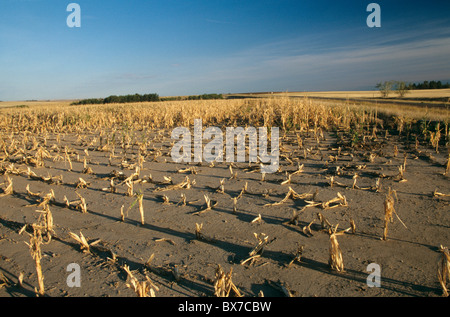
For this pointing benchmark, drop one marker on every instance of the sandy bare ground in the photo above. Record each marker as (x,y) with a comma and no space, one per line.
(184,263)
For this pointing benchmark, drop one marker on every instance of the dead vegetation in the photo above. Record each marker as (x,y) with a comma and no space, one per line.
(389,211)
(141,288)
(36,253)
(319,183)
(335,261)
(443,270)
(223,284)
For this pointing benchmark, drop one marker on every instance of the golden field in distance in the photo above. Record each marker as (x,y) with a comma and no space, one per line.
(420,93)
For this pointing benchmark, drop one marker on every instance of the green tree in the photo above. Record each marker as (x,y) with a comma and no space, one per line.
(402,88)
(385,88)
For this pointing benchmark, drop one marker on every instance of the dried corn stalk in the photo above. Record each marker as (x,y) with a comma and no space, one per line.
(45,223)
(40,155)
(221,188)
(443,270)
(31,174)
(299,169)
(438,194)
(112,187)
(243,191)
(183,200)
(354,182)
(340,200)
(129,184)
(84,244)
(377,187)
(263,176)
(307,229)
(257,219)
(352,225)
(210,204)
(52,179)
(257,251)
(400,177)
(287,180)
(86,169)
(82,204)
(36,254)
(233,176)
(67,202)
(192,170)
(140,198)
(198,229)
(291,195)
(323,221)
(223,285)
(9,188)
(395,151)
(67,158)
(447,168)
(297,256)
(167,180)
(30,193)
(235,199)
(47,198)
(149,261)
(389,211)
(186,184)
(335,254)
(333,182)
(142,289)
(263,241)
(81,183)
(165,199)
(165,240)
(20,280)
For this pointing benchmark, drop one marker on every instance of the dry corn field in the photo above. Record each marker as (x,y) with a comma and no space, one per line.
(96,186)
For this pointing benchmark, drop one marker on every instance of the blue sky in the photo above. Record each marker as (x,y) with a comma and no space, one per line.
(183,47)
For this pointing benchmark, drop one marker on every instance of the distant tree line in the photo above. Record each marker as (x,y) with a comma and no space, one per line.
(205,97)
(193,97)
(119,99)
(142,98)
(429,85)
(91,101)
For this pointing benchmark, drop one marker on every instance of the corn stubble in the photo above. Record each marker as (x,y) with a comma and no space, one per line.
(443,269)
(9,188)
(389,211)
(257,251)
(85,246)
(335,260)
(35,250)
(223,284)
(141,288)
(262,112)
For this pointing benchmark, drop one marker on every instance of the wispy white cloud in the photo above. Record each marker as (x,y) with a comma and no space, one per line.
(289,65)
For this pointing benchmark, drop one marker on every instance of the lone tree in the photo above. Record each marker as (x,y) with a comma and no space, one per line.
(402,88)
(385,88)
